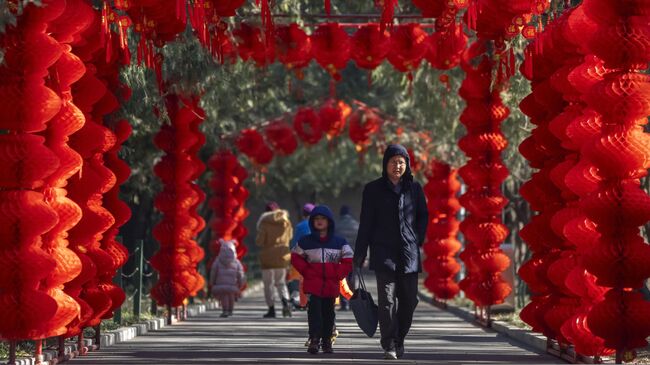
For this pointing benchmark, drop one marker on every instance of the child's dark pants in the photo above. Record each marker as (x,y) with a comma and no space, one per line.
(320,315)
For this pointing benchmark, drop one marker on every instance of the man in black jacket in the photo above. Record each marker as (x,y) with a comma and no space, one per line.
(393,224)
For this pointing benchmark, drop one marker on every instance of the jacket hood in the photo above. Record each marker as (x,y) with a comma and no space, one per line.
(227,251)
(397,150)
(325,211)
(279,217)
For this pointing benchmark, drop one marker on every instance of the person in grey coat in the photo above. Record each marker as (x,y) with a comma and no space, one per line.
(393,224)
(347,227)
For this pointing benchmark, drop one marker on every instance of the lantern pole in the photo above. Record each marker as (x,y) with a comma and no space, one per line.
(12,353)
(38,352)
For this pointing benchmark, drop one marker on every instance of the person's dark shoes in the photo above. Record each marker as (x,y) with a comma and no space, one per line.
(314,343)
(270,313)
(224,315)
(399,350)
(390,355)
(326,346)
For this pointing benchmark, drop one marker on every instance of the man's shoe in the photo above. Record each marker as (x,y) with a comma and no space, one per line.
(399,350)
(390,355)
(314,343)
(224,315)
(326,345)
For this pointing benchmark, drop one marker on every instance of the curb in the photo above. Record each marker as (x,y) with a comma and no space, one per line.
(122,334)
(534,340)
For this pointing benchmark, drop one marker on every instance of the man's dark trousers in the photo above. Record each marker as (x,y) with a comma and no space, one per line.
(397,299)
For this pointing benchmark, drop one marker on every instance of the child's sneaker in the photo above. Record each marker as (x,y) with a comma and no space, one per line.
(313,345)
(326,345)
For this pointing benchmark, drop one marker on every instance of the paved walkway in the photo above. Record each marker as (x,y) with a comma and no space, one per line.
(437,337)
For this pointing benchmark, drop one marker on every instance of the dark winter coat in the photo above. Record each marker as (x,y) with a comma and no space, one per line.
(393,221)
(323,264)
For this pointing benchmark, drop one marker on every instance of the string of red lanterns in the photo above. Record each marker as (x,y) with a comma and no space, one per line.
(442,245)
(228,202)
(179,254)
(483,174)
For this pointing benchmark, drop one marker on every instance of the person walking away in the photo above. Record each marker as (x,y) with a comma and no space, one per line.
(273,235)
(347,227)
(227,277)
(393,224)
(323,259)
(295,280)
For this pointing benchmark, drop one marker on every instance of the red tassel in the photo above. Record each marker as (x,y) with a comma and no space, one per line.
(179,8)
(332,88)
(328,7)
(104,32)
(409,76)
(267,21)
(387,14)
(528,63)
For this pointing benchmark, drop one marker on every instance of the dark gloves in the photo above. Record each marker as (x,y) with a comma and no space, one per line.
(358,261)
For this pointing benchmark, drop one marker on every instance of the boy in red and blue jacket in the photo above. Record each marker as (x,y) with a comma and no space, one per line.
(323,260)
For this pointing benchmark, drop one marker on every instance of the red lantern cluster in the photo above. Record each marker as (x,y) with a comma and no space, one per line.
(228,198)
(332,47)
(620,152)
(441,245)
(483,200)
(309,125)
(106,62)
(29,164)
(93,98)
(179,254)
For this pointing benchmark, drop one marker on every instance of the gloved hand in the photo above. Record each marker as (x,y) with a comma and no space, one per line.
(358,261)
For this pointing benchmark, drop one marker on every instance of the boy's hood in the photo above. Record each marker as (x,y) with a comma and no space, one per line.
(325,211)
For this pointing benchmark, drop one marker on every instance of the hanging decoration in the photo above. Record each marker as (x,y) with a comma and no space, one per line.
(621,154)
(307,125)
(251,45)
(442,245)
(331,48)
(179,253)
(364,122)
(333,117)
(228,198)
(27,106)
(370,46)
(483,200)
(408,45)
(281,137)
(293,47)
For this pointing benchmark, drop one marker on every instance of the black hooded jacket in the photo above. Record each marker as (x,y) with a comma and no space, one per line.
(393,221)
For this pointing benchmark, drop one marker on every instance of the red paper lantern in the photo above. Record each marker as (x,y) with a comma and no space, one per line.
(331,47)
(369,46)
(307,125)
(408,45)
